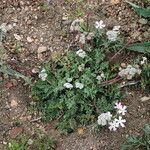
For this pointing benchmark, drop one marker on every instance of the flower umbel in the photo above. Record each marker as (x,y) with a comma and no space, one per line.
(43,75)
(68,85)
(104,118)
(79,85)
(81,53)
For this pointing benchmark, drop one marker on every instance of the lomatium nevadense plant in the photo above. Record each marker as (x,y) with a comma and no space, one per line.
(74,89)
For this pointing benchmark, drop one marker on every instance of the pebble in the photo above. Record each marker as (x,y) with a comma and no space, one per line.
(17,37)
(143,21)
(30,40)
(123,65)
(42,49)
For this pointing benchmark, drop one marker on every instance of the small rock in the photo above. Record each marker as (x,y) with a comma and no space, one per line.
(14,103)
(14,132)
(42,49)
(17,37)
(143,21)
(145,98)
(123,65)
(115,2)
(14,82)
(29,39)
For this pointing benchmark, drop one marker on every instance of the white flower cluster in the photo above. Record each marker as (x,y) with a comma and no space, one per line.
(43,75)
(100,77)
(116,121)
(69,85)
(129,72)
(81,53)
(112,35)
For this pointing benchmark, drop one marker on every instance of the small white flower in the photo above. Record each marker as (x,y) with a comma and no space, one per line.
(113,126)
(143,61)
(112,35)
(43,75)
(99,78)
(102,75)
(122,110)
(81,53)
(79,85)
(116,28)
(81,67)
(69,79)
(99,24)
(104,118)
(120,122)
(118,105)
(68,85)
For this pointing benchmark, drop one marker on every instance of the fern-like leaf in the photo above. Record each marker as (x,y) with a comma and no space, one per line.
(140,10)
(140,47)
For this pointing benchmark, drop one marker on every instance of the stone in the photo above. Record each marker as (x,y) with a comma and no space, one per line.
(17,37)
(42,49)
(123,65)
(143,21)
(145,98)
(30,40)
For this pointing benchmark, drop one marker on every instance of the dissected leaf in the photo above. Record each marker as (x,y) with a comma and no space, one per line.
(140,47)
(140,10)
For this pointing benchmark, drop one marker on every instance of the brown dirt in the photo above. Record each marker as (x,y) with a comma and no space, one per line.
(47,28)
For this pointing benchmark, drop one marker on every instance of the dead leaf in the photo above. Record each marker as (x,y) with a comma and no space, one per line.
(115,2)
(145,98)
(81,130)
(42,49)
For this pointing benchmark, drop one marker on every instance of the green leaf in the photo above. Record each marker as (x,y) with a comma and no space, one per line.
(140,47)
(141,11)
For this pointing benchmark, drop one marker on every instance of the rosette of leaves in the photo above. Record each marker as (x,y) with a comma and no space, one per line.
(135,142)
(74,107)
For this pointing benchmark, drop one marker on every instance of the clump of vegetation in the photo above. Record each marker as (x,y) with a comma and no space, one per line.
(83,84)
(145,81)
(40,141)
(138,141)
(76,88)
